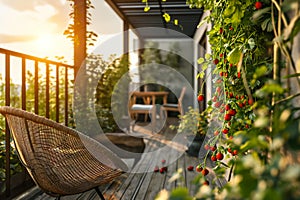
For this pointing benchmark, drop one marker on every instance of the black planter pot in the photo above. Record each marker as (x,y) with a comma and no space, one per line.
(194,144)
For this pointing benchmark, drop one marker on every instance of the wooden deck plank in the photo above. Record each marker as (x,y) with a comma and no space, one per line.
(126,190)
(133,186)
(146,183)
(191,175)
(128,181)
(140,179)
(143,190)
(83,196)
(181,164)
(160,180)
(146,186)
(154,186)
(172,168)
(110,192)
(154,181)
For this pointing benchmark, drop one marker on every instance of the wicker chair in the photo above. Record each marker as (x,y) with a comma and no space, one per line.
(60,160)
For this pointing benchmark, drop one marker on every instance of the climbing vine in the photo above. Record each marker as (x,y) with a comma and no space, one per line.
(254,139)
(90,35)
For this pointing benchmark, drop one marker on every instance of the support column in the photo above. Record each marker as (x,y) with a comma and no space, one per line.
(79,34)
(195,72)
(125,37)
(209,83)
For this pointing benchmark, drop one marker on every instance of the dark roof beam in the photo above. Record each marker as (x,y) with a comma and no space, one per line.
(162,13)
(139,6)
(131,13)
(136,6)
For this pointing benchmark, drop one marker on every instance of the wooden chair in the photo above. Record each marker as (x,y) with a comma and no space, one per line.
(135,109)
(177,107)
(58,158)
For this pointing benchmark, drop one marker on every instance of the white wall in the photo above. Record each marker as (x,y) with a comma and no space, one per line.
(198,51)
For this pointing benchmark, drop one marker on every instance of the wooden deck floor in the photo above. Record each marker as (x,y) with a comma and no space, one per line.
(146,185)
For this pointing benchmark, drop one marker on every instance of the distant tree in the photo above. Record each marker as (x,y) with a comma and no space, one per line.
(15,101)
(154,63)
(107,85)
(14,161)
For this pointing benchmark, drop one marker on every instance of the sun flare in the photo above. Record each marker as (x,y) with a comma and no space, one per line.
(45,41)
(45,44)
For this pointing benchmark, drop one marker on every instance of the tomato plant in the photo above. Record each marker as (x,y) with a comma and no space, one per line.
(257,140)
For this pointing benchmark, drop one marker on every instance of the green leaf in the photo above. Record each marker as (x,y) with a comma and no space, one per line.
(167,17)
(180,193)
(296,28)
(237,16)
(176,22)
(274,194)
(201,75)
(207,56)
(292,75)
(274,88)
(260,71)
(270,27)
(146,8)
(267,25)
(200,60)
(204,66)
(229,10)
(264,24)
(259,13)
(234,56)
(240,133)
(269,88)
(216,70)
(247,145)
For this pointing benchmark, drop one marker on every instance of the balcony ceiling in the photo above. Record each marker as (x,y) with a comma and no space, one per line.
(132,11)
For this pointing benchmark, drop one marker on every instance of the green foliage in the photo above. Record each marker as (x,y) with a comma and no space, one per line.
(153,56)
(69,32)
(264,129)
(180,194)
(30,78)
(15,101)
(193,122)
(107,86)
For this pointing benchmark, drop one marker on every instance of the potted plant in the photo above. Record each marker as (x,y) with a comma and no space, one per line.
(195,124)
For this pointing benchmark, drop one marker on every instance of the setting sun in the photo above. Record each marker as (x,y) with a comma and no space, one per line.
(53,45)
(45,40)
(45,44)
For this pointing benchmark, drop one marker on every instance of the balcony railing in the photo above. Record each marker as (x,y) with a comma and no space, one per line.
(43,87)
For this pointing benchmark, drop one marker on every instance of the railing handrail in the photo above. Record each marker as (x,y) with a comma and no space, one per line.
(30,57)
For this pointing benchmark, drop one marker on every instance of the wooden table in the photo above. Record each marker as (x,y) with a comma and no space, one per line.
(149,98)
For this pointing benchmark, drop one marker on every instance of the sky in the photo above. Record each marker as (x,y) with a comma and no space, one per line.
(36,27)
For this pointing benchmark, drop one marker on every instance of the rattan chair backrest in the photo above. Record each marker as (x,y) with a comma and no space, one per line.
(56,156)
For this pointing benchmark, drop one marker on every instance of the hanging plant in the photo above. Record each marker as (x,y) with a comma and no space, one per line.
(252,102)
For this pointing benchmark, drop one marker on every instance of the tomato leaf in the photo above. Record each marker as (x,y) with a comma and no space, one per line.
(234,56)
(200,60)
(207,56)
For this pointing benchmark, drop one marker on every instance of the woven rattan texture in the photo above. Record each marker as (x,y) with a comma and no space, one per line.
(56,156)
